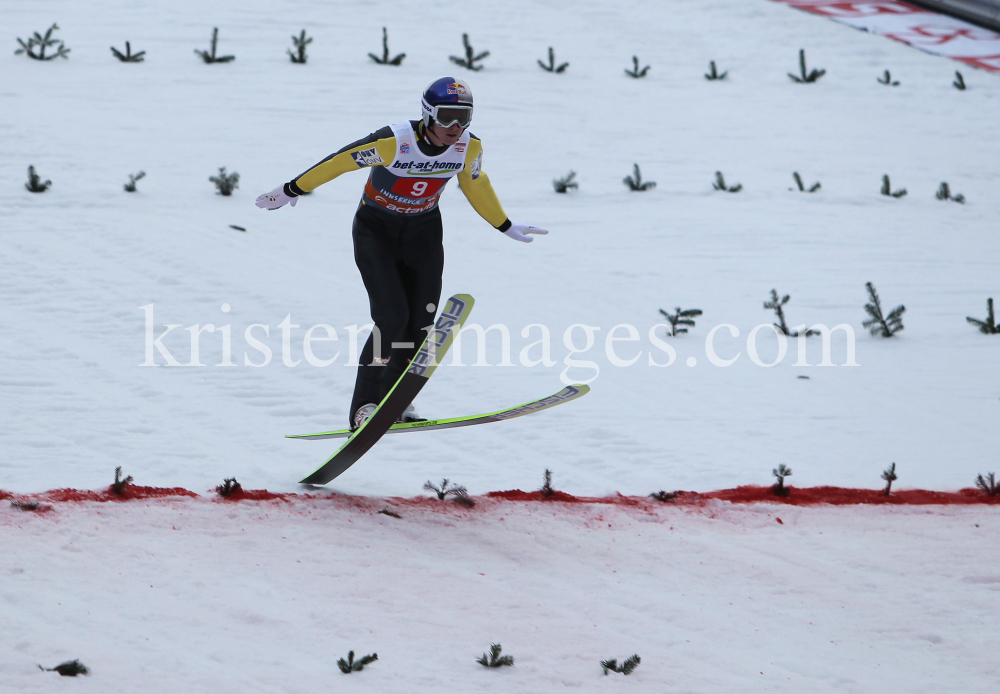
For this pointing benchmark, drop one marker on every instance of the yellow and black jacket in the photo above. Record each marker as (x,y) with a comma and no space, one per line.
(408,173)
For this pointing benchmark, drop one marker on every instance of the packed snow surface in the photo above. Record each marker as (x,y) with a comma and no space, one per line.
(201,596)
(82,259)
(196,595)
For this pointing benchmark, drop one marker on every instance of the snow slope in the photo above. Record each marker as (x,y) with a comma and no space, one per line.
(81,259)
(198,596)
(193,595)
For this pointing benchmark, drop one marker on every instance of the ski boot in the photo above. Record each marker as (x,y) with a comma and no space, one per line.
(361,415)
(410,415)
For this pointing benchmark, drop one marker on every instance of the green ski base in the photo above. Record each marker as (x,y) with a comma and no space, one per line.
(563,396)
(421,367)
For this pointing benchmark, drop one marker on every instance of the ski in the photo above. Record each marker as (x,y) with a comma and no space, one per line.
(421,367)
(563,396)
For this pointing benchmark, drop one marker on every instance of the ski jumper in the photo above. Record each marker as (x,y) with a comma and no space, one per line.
(398,236)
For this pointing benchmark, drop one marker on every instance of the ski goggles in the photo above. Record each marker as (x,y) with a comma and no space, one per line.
(447,115)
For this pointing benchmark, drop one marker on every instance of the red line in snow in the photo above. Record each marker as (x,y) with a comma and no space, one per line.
(795,496)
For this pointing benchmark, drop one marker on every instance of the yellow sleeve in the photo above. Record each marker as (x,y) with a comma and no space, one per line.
(476,186)
(375,150)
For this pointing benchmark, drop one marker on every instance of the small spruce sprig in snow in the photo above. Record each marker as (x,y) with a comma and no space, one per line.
(777,305)
(781,472)
(494,659)
(635,72)
(626,668)
(226,183)
(119,486)
(712,74)
(229,487)
(446,489)
(547,489)
(806,77)
(552,67)
(635,182)
(128,56)
(988,484)
(132,178)
(300,42)
(392,514)
(889,475)
(877,324)
(887,188)
(71,668)
(944,193)
(471,58)
(959,83)
(802,189)
(385,59)
(35,183)
(988,326)
(720,184)
(209,56)
(665,497)
(43,42)
(680,317)
(351,665)
(565,183)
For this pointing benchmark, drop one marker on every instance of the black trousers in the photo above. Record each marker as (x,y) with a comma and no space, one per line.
(401,259)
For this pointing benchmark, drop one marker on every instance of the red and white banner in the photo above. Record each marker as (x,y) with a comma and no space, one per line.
(929,31)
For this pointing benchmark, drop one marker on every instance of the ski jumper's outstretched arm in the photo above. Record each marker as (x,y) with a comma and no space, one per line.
(472,179)
(379,149)
(349,158)
(478,191)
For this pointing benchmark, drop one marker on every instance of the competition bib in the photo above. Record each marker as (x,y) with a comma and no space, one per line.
(412,182)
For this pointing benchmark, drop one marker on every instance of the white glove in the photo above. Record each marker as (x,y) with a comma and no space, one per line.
(275,199)
(519,232)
